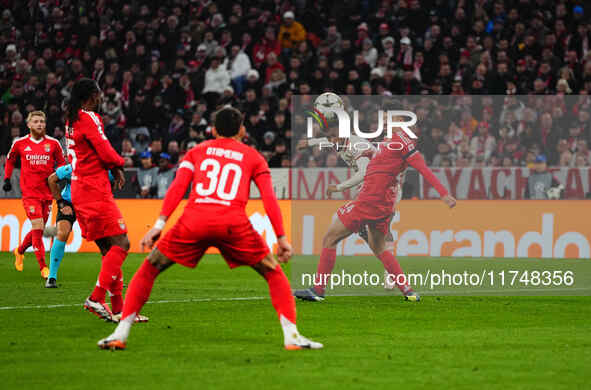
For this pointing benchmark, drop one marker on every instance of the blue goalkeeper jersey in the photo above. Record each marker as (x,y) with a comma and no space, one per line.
(65,173)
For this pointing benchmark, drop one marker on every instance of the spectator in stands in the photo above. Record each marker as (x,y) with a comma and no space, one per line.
(176,129)
(540,180)
(566,159)
(429,143)
(217,78)
(173,150)
(332,160)
(482,143)
(239,64)
(443,151)
(581,161)
(140,138)
(146,176)
(165,175)
(291,33)
(369,53)
(128,152)
(268,44)
(268,144)
(583,151)
(155,149)
(279,154)
(404,57)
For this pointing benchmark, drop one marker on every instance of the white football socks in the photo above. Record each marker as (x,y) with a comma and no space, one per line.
(122,330)
(290,330)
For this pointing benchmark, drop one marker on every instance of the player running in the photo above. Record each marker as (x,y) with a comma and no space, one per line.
(100,220)
(39,155)
(221,171)
(373,207)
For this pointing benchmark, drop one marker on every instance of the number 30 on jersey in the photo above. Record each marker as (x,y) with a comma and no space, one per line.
(218,179)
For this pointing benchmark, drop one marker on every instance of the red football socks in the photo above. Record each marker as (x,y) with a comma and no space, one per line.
(328,257)
(139,289)
(27,242)
(393,267)
(116,303)
(281,296)
(110,268)
(98,294)
(39,247)
(116,291)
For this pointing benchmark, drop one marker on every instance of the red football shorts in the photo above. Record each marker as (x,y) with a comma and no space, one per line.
(194,233)
(354,215)
(100,219)
(37,208)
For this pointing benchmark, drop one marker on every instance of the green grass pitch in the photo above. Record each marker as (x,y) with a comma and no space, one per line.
(215,328)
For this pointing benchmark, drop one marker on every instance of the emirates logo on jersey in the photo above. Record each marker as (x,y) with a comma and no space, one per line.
(47,148)
(121,223)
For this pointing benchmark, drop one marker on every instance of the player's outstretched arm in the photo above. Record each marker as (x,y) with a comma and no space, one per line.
(306,143)
(265,185)
(173,197)
(357,177)
(418,162)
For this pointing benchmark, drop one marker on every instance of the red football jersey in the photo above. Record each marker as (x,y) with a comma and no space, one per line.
(385,171)
(39,159)
(222,171)
(91,156)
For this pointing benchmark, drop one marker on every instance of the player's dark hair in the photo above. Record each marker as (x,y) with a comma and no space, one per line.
(228,121)
(82,90)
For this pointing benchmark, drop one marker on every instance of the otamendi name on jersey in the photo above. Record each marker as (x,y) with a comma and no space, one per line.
(220,152)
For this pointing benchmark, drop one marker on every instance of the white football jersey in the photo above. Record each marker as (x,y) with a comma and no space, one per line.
(354,148)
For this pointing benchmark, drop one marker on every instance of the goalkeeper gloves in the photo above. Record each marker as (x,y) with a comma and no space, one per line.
(7,185)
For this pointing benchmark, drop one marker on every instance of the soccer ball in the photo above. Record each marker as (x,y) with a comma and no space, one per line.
(328,100)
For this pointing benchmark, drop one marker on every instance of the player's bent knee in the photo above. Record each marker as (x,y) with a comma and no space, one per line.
(267,264)
(63,230)
(159,260)
(377,249)
(62,235)
(37,224)
(121,241)
(329,241)
(376,245)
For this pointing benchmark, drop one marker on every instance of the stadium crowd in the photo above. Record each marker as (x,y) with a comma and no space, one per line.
(165,66)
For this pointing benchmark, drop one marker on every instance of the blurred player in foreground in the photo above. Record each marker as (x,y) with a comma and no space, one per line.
(39,155)
(221,171)
(91,156)
(373,208)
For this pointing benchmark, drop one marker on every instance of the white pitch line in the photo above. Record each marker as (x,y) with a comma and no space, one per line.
(189,300)
(426,293)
